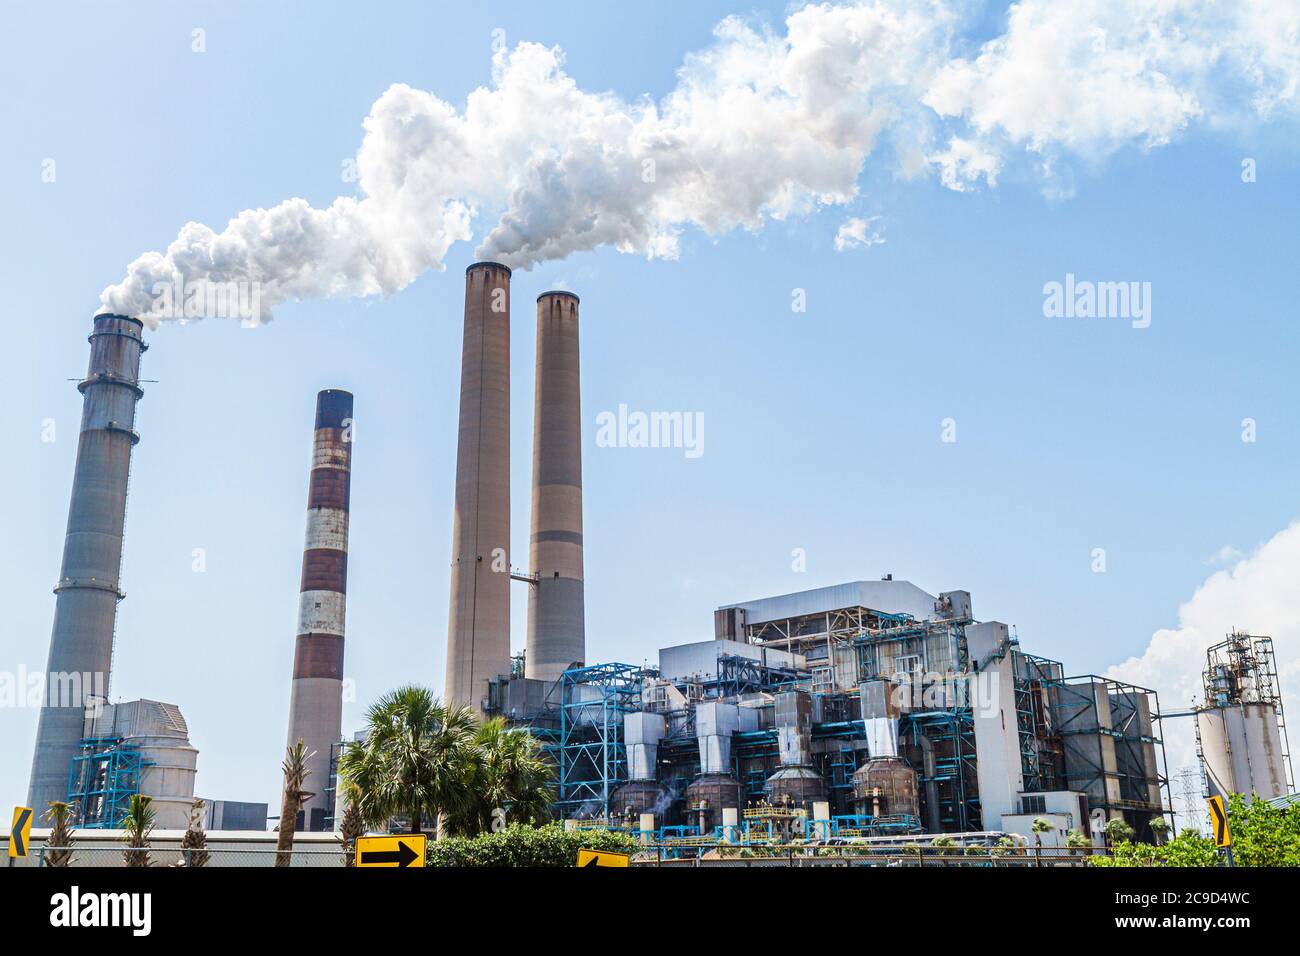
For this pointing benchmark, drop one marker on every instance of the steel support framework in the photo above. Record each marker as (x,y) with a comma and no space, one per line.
(101,781)
(1127,784)
(592,757)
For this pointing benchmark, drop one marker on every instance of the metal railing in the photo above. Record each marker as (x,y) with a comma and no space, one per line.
(724,854)
(175,857)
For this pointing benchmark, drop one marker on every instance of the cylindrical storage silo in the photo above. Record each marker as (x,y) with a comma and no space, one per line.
(1243,751)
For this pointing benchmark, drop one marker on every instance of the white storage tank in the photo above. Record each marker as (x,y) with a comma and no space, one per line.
(170,761)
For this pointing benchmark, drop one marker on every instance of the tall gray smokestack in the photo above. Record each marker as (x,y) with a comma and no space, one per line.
(316,696)
(85,611)
(478,631)
(556,636)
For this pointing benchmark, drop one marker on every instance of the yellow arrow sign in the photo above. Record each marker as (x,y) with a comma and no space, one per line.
(20,831)
(603,858)
(406,849)
(1219,816)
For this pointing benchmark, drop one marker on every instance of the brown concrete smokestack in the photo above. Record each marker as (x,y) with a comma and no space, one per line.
(316,695)
(556,635)
(478,631)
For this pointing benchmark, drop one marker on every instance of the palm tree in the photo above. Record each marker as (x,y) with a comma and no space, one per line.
(511,775)
(417,760)
(295,773)
(1040,826)
(195,842)
(58,847)
(1117,831)
(1075,840)
(1159,829)
(351,826)
(137,826)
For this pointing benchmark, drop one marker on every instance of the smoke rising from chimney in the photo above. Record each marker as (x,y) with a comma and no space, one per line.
(760,126)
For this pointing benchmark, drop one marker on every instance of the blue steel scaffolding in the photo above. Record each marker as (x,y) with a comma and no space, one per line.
(101,781)
(592,758)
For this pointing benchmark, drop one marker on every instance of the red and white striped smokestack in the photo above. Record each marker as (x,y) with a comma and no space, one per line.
(316,697)
(556,636)
(478,630)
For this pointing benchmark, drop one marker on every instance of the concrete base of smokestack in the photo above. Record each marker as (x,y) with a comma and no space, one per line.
(556,616)
(478,627)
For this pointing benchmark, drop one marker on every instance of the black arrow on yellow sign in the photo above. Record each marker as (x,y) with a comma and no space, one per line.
(588,858)
(1219,815)
(402,856)
(21,828)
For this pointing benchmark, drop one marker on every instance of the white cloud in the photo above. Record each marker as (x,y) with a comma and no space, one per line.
(1088,77)
(760,126)
(853,234)
(1228,554)
(1257,595)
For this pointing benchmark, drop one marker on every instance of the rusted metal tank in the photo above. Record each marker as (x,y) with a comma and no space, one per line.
(797,786)
(708,795)
(886,785)
(637,797)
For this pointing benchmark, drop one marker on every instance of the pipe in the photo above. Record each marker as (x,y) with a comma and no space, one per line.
(556,627)
(478,628)
(85,611)
(316,693)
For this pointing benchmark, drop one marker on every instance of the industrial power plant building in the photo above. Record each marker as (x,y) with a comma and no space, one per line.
(870,708)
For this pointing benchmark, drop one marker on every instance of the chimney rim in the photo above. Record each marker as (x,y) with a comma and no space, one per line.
(571,295)
(117,316)
(487,264)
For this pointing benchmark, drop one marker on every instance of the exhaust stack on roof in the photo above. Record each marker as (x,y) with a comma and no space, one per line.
(316,695)
(85,612)
(478,631)
(556,637)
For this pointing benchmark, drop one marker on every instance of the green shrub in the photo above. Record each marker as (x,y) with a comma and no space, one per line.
(1262,834)
(1189,848)
(521,845)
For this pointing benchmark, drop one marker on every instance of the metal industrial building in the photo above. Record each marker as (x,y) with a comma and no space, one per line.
(871,707)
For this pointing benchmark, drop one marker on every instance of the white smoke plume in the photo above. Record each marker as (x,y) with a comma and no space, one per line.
(760,126)
(1257,595)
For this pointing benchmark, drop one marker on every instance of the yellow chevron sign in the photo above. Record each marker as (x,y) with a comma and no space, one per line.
(20,831)
(1219,817)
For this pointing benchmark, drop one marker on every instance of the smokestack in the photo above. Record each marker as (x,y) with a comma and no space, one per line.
(556,635)
(85,611)
(478,630)
(316,695)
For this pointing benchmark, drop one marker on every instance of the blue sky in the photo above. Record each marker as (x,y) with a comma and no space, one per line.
(822,427)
